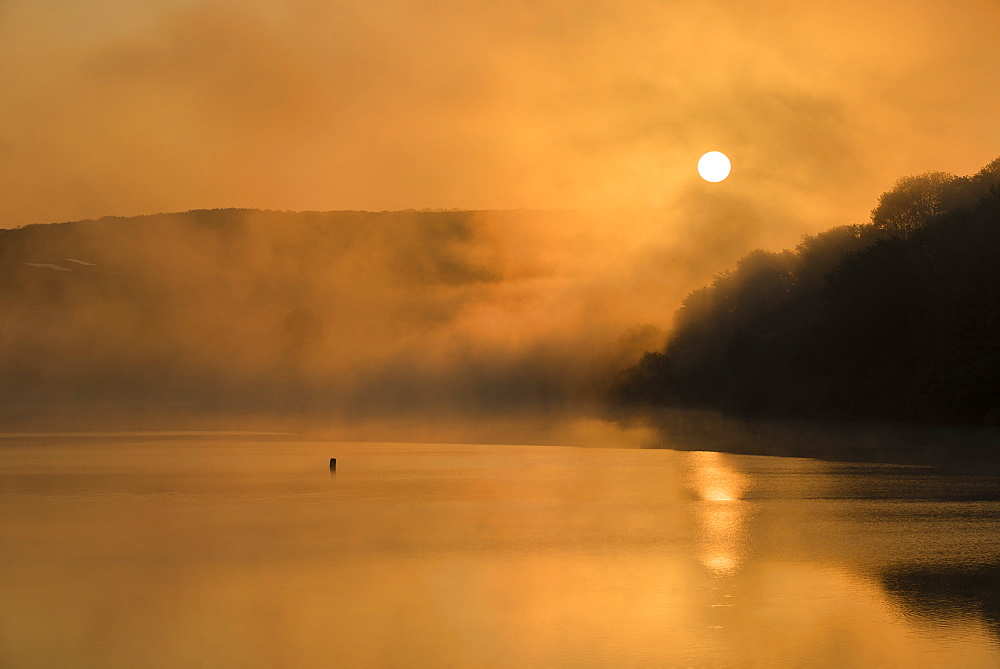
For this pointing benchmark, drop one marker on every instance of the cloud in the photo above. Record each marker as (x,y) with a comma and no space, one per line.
(477,105)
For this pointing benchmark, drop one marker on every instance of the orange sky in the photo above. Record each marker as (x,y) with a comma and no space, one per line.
(116,107)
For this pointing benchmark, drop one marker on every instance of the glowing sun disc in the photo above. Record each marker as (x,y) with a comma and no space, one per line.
(714,166)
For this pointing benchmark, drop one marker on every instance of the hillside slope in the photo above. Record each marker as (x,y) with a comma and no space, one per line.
(326,312)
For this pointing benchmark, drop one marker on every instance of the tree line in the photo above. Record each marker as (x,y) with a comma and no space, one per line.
(896,319)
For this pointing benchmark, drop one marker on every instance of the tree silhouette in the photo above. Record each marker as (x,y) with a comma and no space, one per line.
(898,319)
(911,202)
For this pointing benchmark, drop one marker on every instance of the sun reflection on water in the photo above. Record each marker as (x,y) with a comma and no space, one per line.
(722,512)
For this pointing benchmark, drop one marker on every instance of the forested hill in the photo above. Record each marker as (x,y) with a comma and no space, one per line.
(897,319)
(347,314)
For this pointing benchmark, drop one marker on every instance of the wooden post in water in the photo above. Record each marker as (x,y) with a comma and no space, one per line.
(333,464)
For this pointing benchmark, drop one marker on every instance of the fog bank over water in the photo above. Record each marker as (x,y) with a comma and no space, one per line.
(343,313)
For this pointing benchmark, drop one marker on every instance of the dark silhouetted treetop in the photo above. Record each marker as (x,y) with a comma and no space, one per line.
(912,201)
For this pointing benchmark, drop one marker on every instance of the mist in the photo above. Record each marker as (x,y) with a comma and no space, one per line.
(337,313)
(555,145)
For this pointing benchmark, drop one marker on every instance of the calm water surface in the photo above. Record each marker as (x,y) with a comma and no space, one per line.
(244,551)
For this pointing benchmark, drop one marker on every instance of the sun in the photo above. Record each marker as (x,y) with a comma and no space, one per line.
(714,166)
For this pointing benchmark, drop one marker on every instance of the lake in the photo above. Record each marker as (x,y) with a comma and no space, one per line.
(213,549)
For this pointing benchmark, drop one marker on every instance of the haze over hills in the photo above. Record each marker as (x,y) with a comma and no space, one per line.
(367,314)
(338,313)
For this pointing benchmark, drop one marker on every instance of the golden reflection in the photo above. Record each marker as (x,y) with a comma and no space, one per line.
(722,513)
(241,553)
(715,479)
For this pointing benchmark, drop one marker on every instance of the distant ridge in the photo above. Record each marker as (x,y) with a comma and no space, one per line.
(245,311)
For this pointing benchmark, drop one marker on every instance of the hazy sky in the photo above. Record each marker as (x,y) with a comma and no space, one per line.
(118,107)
